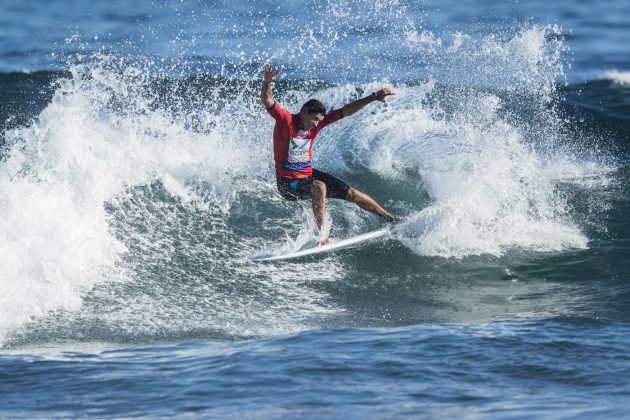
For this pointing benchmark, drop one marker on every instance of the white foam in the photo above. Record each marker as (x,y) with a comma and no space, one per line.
(621,78)
(490,190)
(55,238)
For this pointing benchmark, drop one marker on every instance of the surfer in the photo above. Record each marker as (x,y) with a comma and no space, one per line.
(293,137)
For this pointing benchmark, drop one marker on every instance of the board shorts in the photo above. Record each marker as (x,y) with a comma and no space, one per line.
(300,189)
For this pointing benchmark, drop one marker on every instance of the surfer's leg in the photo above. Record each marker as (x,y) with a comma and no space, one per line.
(336,188)
(367,203)
(318,191)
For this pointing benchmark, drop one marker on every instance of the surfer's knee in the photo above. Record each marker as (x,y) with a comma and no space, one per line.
(318,188)
(352,194)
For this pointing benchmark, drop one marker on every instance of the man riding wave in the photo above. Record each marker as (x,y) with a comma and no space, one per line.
(293,137)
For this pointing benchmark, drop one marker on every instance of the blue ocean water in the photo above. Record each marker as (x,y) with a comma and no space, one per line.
(136,181)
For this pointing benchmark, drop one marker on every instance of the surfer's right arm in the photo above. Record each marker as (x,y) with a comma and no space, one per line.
(265,95)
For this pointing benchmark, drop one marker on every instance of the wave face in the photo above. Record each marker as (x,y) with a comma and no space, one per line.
(133,191)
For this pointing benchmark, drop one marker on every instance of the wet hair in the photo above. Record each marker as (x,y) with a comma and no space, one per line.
(314,106)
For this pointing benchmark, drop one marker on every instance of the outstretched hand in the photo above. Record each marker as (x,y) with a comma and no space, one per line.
(384,93)
(359,104)
(270,73)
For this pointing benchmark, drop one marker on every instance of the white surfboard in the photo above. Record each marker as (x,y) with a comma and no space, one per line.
(345,243)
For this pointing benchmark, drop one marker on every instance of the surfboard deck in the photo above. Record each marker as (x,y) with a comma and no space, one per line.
(335,246)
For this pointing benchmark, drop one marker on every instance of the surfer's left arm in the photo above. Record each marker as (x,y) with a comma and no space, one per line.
(359,104)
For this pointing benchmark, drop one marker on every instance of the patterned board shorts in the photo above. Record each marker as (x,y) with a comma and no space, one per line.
(300,189)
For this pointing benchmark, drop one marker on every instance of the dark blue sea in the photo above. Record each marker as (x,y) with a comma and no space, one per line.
(137,184)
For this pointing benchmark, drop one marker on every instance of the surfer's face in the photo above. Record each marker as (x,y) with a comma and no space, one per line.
(311,117)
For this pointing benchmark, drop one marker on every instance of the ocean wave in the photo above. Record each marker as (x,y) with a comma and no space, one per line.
(132,200)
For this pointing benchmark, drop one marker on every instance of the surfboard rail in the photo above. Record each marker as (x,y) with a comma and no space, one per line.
(320,249)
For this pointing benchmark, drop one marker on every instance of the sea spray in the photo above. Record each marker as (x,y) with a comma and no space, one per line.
(120,178)
(100,135)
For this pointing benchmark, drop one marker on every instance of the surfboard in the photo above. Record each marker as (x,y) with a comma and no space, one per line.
(335,246)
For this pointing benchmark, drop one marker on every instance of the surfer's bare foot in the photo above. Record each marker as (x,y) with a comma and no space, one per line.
(394,219)
(326,241)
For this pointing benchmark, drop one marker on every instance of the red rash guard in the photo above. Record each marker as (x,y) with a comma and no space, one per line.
(292,146)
